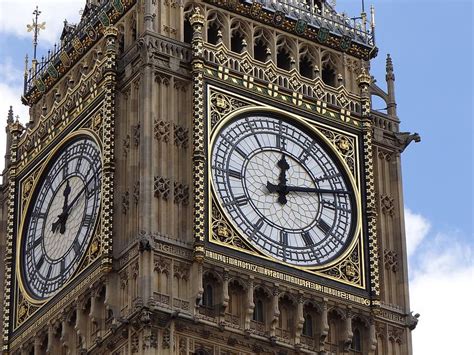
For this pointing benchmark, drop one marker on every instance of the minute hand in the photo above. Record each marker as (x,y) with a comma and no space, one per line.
(311,189)
(79,194)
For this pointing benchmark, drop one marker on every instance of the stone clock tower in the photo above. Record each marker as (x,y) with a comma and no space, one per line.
(206,177)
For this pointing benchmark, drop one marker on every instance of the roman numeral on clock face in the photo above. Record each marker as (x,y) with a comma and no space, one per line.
(308,240)
(235,174)
(326,228)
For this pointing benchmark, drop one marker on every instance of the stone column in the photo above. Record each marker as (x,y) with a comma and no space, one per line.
(250,304)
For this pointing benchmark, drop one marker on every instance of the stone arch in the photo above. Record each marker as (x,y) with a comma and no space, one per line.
(309,61)
(330,68)
(239,35)
(285,52)
(262,44)
(216,27)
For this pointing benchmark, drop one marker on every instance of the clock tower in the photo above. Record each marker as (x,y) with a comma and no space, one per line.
(206,177)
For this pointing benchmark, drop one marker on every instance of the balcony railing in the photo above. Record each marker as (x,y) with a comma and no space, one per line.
(324,17)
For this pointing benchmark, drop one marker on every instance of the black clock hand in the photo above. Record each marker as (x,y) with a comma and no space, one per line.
(62,218)
(286,189)
(79,194)
(61,222)
(282,191)
(311,189)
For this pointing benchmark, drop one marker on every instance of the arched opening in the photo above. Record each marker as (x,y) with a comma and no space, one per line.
(208,296)
(237,42)
(261,47)
(329,75)
(329,69)
(308,325)
(286,321)
(260,51)
(213,33)
(356,340)
(258,312)
(188,30)
(306,67)
(283,59)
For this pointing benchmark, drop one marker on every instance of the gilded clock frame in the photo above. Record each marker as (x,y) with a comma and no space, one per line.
(25,205)
(94,113)
(241,105)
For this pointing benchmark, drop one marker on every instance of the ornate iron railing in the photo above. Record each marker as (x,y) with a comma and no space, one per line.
(325,17)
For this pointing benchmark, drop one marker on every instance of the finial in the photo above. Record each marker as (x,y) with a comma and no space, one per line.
(35,27)
(10,115)
(389,64)
(372,21)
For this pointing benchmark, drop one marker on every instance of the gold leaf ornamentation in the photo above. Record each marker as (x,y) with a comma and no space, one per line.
(222,105)
(344,145)
(223,232)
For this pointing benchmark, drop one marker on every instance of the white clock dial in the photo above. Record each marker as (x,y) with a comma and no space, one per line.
(61,217)
(283,189)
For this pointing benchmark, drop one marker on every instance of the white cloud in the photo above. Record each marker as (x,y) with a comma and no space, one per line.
(441,288)
(15,15)
(417,228)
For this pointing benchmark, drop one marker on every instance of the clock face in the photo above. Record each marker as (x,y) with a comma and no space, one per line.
(283,189)
(61,217)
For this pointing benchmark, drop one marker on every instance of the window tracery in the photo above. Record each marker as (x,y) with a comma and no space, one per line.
(239,36)
(261,47)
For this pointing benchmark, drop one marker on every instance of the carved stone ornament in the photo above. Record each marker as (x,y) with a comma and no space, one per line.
(136,134)
(162,265)
(181,193)
(181,136)
(161,130)
(125,202)
(161,187)
(126,145)
(390,260)
(136,192)
(387,204)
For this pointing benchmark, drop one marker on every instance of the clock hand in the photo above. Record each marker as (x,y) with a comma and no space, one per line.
(62,218)
(286,189)
(311,189)
(79,194)
(61,222)
(282,192)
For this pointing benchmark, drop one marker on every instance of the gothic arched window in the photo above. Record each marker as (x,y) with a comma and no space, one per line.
(329,68)
(308,325)
(188,30)
(239,37)
(261,45)
(258,314)
(208,296)
(356,340)
(306,67)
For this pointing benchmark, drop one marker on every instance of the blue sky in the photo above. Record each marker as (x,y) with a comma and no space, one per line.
(431,46)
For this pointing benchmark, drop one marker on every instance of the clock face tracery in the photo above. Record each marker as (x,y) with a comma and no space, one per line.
(283,189)
(61,217)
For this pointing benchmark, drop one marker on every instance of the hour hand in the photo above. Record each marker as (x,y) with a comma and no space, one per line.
(60,223)
(281,189)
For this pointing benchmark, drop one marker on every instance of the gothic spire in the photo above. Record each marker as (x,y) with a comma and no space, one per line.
(390,78)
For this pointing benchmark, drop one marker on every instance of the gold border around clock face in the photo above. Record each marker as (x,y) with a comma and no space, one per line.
(313,130)
(24,216)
